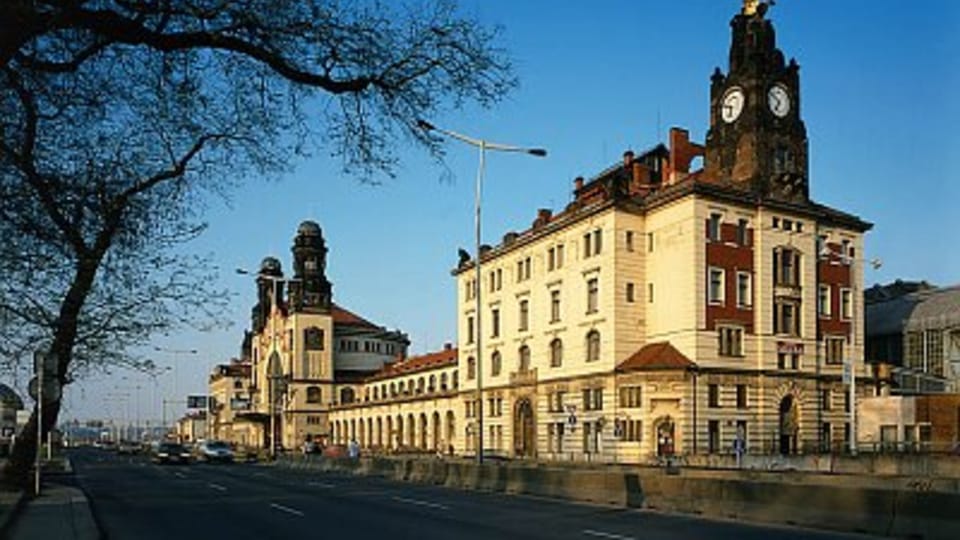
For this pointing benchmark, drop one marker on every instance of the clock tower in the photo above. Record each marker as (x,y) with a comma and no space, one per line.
(757,140)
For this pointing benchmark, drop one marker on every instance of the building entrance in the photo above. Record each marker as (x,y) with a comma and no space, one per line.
(524,430)
(665,438)
(788,425)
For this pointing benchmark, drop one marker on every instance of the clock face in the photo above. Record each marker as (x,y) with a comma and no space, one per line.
(778,99)
(732,104)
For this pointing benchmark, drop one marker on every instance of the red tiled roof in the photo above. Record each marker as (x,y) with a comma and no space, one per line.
(654,356)
(343,316)
(445,357)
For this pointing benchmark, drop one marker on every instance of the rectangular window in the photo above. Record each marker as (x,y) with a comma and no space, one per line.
(822,246)
(833,349)
(555,306)
(551,259)
(629,240)
(593,293)
(713,396)
(495,322)
(470,329)
(598,399)
(823,301)
(786,318)
(630,397)
(587,246)
(713,436)
(846,304)
(715,285)
(597,241)
(825,436)
(630,293)
(786,267)
(730,340)
(650,292)
(741,396)
(742,232)
(826,399)
(713,228)
(524,315)
(587,398)
(560,256)
(650,242)
(934,352)
(744,289)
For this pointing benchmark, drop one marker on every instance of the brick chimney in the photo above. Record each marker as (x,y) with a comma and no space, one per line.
(682,152)
(448,346)
(578,183)
(628,159)
(543,217)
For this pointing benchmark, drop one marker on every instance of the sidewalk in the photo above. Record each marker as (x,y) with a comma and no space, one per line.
(61,512)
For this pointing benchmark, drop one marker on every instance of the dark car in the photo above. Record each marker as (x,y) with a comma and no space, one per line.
(171,453)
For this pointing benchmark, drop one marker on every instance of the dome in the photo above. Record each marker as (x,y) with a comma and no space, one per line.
(270,266)
(309,228)
(9,398)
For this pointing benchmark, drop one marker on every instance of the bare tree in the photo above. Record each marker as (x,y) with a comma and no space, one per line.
(120,118)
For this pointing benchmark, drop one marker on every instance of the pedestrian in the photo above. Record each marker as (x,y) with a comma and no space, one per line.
(353,449)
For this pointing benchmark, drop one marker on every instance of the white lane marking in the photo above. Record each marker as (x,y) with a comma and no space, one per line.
(602,534)
(286,509)
(217,487)
(421,503)
(179,475)
(321,485)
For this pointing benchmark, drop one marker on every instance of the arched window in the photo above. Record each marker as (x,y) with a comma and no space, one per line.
(495,362)
(524,364)
(347,395)
(593,346)
(420,385)
(471,368)
(393,389)
(376,393)
(556,352)
(313,394)
(455,379)
(443,382)
(433,383)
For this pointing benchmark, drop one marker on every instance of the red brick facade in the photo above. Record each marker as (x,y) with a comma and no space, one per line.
(833,272)
(732,257)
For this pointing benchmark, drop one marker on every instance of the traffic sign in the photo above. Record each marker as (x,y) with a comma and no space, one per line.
(51,389)
(42,359)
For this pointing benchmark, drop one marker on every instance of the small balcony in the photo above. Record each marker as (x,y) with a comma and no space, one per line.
(528,376)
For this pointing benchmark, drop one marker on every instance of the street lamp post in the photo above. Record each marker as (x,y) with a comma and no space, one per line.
(483,146)
(177,353)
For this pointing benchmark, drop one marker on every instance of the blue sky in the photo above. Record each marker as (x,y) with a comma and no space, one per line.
(879,84)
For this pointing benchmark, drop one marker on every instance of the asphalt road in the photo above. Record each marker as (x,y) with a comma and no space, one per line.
(135,499)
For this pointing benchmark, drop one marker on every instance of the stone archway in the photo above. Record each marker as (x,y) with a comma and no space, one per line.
(789,424)
(524,429)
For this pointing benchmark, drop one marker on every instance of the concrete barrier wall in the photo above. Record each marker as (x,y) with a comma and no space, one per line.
(837,502)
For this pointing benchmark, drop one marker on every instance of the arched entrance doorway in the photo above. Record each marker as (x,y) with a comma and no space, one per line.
(666,437)
(789,425)
(524,430)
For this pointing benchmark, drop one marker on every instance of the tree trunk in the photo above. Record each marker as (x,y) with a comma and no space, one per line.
(17,472)
(24,453)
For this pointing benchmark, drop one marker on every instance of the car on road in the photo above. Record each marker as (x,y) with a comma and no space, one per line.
(169,452)
(128,448)
(215,451)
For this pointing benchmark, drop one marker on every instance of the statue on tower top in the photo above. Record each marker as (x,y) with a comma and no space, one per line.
(756,7)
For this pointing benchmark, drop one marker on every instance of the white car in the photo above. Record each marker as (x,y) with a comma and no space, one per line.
(215,451)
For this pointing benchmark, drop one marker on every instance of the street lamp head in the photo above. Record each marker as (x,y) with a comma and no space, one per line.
(539,152)
(424,125)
